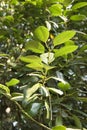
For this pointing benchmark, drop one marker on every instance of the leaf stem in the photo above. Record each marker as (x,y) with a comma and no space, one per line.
(28,116)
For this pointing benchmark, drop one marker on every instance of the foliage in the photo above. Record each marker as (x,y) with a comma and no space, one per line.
(43,64)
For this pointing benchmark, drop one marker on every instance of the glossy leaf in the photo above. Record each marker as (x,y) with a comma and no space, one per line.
(58,79)
(32,98)
(35,46)
(42,33)
(12,82)
(47,58)
(56,9)
(32,90)
(57,91)
(17,96)
(77,17)
(65,50)
(47,110)
(45,91)
(63,37)
(79,5)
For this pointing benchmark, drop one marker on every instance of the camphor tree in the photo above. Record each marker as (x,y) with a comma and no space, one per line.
(43,64)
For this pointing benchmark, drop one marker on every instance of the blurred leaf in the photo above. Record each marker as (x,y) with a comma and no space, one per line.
(55,1)
(59,121)
(45,91)
(32,98)
(63,37)
(14,2)
(12,82)
(58,79)
(42,33)
(4,90)
(65,50)
(9,18)
(77,122)
(79,5)
(17,96)
(83,99)
(67,2)
(35,46)
(3,55)
(47,110)
(57,91)
(77,17)
(35,108)
(59,128)
(64,86)
(56,9)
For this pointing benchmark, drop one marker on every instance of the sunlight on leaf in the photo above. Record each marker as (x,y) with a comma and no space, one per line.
(63,37)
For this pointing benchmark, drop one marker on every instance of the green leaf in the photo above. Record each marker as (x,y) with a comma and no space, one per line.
(45,91)
(17,96)
(4,89)
(41,33)
(35,66)
(64,86)
(4,55)
(14,2)
(47,67)
(83,99)
(70,42)
(65,50)
(30,59)
(55,1)
(31,99)
(67,2)
(47,58)
(63,37)
(56,9)
(79,5)
(59,128)
(77,122)
(30,91)
(77,17)
(35,46)
(12,82)
(59,121)
(35,108)
(57,91)
(47,109)
(58,79)
(9,18)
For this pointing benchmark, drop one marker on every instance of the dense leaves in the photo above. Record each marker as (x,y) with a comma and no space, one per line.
(43,64)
